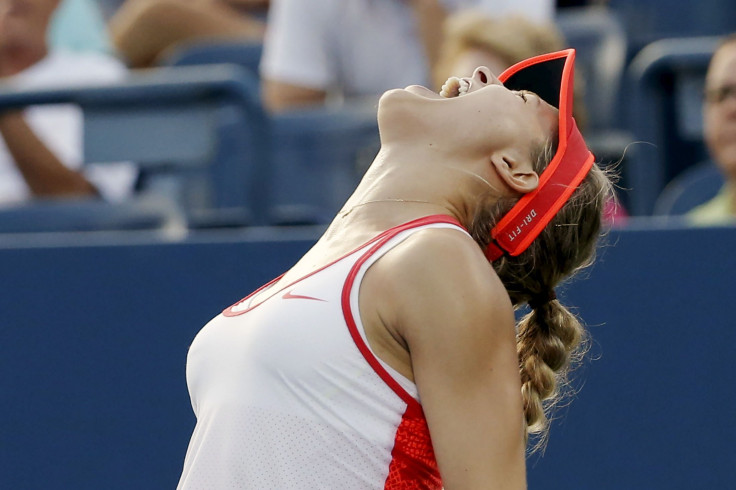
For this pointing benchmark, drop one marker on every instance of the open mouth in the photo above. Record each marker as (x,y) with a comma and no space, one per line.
(455,87)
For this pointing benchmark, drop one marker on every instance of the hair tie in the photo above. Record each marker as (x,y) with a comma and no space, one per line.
(542,299)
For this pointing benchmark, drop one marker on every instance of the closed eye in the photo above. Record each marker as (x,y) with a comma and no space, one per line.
(522,94)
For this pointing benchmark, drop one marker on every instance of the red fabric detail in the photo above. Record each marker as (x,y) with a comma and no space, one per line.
(229,310)
(413,465)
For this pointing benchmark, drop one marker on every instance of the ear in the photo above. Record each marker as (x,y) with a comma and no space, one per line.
(517,174)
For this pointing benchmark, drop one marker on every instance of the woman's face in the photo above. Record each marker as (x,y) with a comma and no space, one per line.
(475,113)
(24,22)
(720,109)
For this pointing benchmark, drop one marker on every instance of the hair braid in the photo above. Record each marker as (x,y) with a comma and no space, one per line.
(550,339)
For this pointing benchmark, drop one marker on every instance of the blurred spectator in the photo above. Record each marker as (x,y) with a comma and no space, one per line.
(108,8)
(41,147)
(472,39)
(719,117)
(79,25)
(144,31)
(580,3)
(360,48)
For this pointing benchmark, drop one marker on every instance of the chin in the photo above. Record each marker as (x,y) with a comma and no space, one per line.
(392,94)
(423,92)
(412,92)
(406,97)
(398,111)
(394,99)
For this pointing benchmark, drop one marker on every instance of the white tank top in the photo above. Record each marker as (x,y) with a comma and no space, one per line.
(288,393)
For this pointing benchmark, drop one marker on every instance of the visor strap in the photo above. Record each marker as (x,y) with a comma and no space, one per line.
(493,252)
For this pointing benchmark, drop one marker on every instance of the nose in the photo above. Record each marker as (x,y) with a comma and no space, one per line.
(482,77)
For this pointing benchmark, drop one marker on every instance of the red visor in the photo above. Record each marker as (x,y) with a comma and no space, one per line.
(551,77)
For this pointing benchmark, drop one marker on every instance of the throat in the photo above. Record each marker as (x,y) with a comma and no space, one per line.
(349,210)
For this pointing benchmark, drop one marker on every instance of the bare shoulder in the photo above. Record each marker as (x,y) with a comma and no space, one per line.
(441,272)
(456,320)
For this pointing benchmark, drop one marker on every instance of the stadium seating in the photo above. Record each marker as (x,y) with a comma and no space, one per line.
(198,136)
(318,154)
(647,21)
(601,45)
(664,100)
(693,187)
(600,42)
(243,53)
(319,157)
(61,215)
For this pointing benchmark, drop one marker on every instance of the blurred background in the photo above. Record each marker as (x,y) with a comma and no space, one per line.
(160,159)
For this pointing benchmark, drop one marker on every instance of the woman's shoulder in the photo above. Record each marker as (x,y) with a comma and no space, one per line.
(437,285)
(442,263)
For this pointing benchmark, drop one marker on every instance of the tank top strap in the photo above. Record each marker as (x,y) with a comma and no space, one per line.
(401,385)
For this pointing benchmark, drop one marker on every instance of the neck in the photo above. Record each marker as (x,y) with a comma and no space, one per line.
(731,195)
(414,182)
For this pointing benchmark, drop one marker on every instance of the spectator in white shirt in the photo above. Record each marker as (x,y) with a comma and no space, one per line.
(41,147)
(360,48)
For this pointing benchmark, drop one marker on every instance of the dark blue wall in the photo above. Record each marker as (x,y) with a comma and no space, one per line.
(94,336)
(657,407)
(93,344)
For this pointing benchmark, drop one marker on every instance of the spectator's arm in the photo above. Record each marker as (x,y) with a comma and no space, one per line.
(144,30)
(249,4)
(430,15)
(279,96)
(43,172)
(298,64)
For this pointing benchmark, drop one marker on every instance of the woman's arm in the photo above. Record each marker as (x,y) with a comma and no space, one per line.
(446,302)
(280,96)
(253,5)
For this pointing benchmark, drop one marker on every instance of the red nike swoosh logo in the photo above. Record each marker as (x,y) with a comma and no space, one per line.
(288,295)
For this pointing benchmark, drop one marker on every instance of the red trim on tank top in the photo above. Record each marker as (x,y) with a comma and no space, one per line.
(348,313)
(435,218)
(229,310)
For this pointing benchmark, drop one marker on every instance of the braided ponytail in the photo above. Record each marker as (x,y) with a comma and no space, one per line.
(550,339)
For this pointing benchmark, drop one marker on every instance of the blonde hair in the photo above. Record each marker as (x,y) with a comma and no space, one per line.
(550,339)
(511,39)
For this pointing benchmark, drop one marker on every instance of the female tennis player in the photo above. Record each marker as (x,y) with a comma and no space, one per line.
(388,356)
